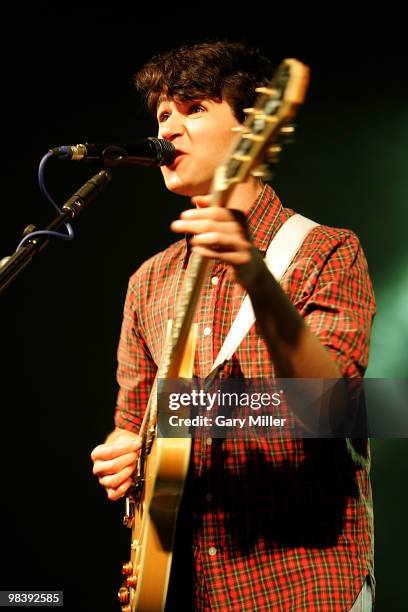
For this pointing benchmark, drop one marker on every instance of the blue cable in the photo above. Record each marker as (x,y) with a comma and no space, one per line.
(70,235)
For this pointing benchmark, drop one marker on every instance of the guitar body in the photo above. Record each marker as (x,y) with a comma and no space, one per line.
(152,511)
(155,522)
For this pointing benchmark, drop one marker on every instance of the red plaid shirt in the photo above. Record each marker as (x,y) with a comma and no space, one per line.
(279,524)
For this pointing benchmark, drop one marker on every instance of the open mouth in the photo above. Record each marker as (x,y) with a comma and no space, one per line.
(177,159)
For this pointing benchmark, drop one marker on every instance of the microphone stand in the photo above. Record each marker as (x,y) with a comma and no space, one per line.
(12,265)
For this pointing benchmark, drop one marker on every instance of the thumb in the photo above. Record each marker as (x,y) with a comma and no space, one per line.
(201,201)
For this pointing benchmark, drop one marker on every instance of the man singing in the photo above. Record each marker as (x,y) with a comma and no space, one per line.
(274,523)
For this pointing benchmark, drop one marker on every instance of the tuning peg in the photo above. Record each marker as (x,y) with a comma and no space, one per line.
(288,129)
(288,132)
(267,91)
(250,111)
(242,158)
(270,118)
(272,154)
(254,137)
(240,129)
(262,171)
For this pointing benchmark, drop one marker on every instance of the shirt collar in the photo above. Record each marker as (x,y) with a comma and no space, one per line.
(263,218)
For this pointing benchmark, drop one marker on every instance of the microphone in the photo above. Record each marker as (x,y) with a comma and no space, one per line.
(151,152)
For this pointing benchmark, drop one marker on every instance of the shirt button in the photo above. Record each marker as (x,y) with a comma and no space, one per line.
(208,441)
(214,280)
(212,551)
(209,497)
(207,331)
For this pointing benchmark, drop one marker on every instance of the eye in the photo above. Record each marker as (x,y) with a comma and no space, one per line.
(163,117)
(196,108)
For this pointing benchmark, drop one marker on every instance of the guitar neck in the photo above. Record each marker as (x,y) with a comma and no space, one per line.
(190,294)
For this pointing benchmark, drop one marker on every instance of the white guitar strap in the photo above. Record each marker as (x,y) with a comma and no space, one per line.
(278,258)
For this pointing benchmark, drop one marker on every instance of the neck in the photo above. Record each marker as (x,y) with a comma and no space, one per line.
(244,194)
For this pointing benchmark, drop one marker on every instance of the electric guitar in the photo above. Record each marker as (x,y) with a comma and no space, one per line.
(153,501)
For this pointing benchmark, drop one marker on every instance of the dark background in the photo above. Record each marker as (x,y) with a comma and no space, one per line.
(67,78)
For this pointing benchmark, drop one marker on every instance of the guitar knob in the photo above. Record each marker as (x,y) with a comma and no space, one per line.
(127,568)
(131,581)
(123,595)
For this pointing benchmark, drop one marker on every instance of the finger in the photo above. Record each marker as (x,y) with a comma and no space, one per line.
(116,480)
(234,258)
(122,445)
(114,494)
(104,468)
(216,213)
(202,226)
(223,242)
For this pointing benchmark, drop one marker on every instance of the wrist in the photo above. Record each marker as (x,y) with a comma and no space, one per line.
(250,274)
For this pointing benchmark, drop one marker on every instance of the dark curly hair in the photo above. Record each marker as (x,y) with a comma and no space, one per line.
(217,70)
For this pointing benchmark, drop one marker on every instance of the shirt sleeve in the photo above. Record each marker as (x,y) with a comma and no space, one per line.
(136,369)
(341,307)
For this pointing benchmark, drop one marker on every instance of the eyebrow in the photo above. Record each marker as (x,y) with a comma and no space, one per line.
(162,99)
(197,98)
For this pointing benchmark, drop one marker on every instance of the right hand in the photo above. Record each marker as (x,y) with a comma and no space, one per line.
(115,462)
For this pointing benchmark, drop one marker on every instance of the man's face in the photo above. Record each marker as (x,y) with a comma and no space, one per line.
(201,132)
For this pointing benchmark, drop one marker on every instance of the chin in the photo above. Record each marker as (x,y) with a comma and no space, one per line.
(189,190)
(182,190)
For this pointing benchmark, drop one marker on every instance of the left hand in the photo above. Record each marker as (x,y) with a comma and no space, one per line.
(219,233)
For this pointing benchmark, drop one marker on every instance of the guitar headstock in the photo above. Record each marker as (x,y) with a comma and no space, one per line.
(266,125)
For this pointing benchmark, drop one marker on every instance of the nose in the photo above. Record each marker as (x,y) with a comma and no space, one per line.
(172,127)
